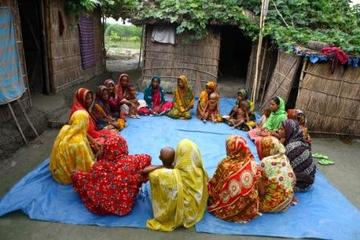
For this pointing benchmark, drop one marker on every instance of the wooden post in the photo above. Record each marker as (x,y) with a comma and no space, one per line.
(141,44)
(27,118)
(17,123)
(264,9)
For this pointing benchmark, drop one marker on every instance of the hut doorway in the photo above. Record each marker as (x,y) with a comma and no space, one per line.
(33,34)
(235,51)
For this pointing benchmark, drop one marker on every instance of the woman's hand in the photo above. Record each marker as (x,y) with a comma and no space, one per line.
(98,149)
(275,134)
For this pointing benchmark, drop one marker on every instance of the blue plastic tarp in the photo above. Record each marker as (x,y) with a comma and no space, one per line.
(321,213)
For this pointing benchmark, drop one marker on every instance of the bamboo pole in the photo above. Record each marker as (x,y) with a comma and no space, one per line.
(262,67)
(27,118)
(141,44)
(264,9)
(17,123)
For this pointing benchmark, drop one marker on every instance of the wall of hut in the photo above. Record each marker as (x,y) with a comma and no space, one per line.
(26,98)
(283,76)
(331,100)
(198,60)
(64,51)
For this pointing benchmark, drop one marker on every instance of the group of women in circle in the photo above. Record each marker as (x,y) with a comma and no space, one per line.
(90,154)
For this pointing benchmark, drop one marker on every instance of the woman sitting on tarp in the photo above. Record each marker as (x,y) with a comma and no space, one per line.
(121,95)
(183,100)
(233,190)
(299,153)
(102,141)
(154,97)
(102,112)
(278,178)
(242,95)
(179,195)
(208,109)
(113,182)
(273,123)
(71,150)
(110,84)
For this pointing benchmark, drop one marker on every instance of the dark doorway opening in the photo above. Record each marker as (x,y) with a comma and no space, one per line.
(32,28)
(291,101)
(235,51)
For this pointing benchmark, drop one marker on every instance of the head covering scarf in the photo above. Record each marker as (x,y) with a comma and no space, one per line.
(179,195)
(149,91)
(109,82)
(269,146)
(204,98)
(243,93)
(101,109)
(79,100)
(184,96)
(100,90)
(276,171)
(157,78)
(79,104)
(292,130)
(275,119)
(183,100)
(71,150)
(211,85)
(237,149)
(119,91)
(232,190)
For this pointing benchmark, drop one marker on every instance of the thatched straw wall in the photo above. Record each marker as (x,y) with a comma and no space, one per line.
(283,76)
(198,60)
(331,101)
(26,99)
(64,51)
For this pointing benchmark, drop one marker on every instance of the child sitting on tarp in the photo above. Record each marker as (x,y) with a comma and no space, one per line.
(167,156)
(136,108)
(242,95)
(241,117)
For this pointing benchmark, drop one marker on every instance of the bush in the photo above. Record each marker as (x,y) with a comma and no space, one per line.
(118,32)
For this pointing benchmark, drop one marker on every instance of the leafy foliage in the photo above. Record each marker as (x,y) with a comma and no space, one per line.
(288,22)
(329,21)
(123,32)
(195,15)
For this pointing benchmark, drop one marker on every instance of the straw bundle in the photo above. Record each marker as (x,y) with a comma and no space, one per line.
(198,60)
(331,101)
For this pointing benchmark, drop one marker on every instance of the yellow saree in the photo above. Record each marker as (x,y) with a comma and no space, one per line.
(183,100)
(71,150)
(179,195)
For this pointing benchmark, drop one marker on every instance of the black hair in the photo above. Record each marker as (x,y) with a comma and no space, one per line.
(131,86)
(276,100)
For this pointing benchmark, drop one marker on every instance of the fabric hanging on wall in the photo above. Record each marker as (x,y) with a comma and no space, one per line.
(12,84)
(163,34)
(87,42)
